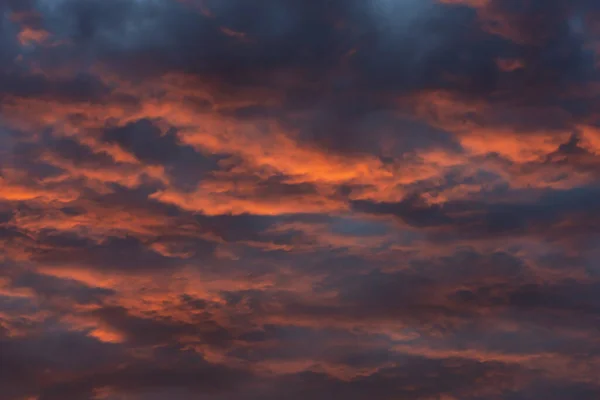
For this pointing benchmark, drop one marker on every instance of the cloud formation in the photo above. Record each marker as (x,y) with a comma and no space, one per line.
(223,199)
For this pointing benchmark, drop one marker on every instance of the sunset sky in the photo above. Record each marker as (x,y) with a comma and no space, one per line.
(299,200)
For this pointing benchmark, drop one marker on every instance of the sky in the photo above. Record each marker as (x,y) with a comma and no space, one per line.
(285,199)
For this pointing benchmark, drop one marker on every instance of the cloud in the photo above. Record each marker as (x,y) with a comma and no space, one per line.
(551,212)
(282,199)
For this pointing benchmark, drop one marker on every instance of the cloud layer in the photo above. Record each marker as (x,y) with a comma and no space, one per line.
(341,199)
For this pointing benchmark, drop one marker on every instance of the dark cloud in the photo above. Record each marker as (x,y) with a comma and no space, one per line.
(483,219)
(449,375)
(116,253)
(153,330)
(188,372)
(452,296)
(147,143)
(81,88)
(30,364)
(37,366)
(50,287)
(433,47)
